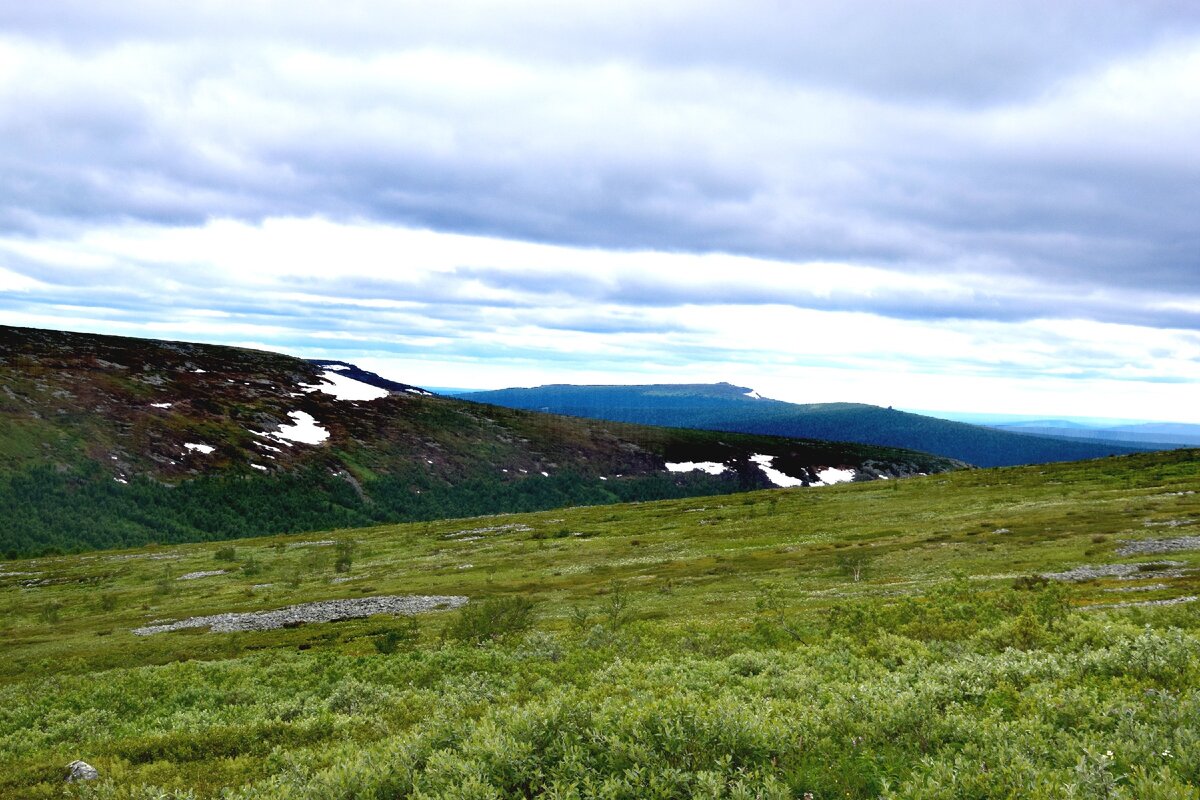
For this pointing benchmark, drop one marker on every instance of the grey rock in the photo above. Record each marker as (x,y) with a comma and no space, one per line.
(478,533)
(1150,587)
(208,573)
(81,771)
(1089,572)
(321,611)
(1154,546)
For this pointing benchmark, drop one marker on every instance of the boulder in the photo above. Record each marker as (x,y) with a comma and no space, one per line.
(81,771)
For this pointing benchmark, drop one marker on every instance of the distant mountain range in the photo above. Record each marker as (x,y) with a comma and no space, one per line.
(725,407)
(109,441)
(1157,435)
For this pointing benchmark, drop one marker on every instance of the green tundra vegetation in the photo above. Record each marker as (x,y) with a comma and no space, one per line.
(893,639)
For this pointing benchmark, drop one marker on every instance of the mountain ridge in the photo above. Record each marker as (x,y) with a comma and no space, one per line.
(727,407)
(108,441)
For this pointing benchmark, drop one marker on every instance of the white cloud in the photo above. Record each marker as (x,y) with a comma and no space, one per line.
(406,303)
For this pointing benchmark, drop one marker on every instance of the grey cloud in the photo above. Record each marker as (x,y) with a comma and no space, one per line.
(819,131)
(961,51)
(660,290)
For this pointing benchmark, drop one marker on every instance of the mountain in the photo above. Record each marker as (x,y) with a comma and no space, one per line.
(725,407)
(1063,424)
(1151,435)
(109,441)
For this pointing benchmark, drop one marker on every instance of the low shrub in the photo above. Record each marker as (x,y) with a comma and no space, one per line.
(405,635)
(493,619)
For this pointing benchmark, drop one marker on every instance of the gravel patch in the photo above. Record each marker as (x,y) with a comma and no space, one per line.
(320,543)
(321,611)
(208,573)
(1087,572)
(1168,523)
(1174,601)
(1154,546)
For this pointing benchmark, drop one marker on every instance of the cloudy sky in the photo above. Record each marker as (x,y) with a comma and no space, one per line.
(935,205)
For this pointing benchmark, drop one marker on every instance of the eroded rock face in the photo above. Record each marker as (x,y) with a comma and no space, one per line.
(81,771)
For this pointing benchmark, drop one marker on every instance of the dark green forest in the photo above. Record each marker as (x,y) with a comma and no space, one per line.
(47,511)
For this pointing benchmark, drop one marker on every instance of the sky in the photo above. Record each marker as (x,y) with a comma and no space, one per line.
(986,207)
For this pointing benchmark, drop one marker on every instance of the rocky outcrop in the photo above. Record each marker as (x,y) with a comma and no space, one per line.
(321,611)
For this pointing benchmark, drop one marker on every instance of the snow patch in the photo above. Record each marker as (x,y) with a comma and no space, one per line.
(198,371)
(421,392)
(200,448)
(160,405)
(259,466)
(345,388)
(336,367)
(120,480)
(754,395)
(831,475)
(305,430)
(780,479)
(711,467)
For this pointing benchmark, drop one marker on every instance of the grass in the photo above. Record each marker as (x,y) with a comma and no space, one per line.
(708,647)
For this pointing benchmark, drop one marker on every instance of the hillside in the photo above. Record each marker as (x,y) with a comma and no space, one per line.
(725,407)
(111,441)
(1023,632)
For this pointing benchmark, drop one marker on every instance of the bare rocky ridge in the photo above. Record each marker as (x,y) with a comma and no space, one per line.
(1087,572)
(1155,546)
(320,611)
